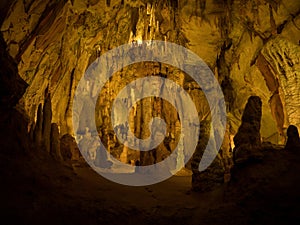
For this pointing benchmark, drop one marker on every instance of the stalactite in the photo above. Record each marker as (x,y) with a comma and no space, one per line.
(202,7)
(134,20)
(272,21)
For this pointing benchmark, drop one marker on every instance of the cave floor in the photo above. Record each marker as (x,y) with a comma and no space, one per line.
(38,190)
(48,193)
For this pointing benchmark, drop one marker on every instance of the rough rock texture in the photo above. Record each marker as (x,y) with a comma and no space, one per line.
(251,46)
(247,141)
(54,42)
(284,57)
(293,141)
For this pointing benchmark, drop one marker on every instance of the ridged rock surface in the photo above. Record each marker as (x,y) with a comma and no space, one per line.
(251,47)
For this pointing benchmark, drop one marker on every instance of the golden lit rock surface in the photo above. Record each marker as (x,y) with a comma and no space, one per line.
(252,47)
(54,43)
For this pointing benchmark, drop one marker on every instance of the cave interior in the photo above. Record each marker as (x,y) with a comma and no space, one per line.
(49,156)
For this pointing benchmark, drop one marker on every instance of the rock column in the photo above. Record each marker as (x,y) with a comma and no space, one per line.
(247,141)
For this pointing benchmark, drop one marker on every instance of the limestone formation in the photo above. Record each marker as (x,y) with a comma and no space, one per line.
(147,157)
(124,154)
(283,56)
(226,153)
(252,47)
(213,176)
(55,142)
(247,141)
(293,141)
(55,46)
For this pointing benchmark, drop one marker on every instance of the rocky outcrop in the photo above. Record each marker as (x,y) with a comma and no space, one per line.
(248,140)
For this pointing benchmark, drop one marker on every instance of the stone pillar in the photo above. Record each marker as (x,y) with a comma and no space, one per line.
(147,157)
(247,141)
(124,154)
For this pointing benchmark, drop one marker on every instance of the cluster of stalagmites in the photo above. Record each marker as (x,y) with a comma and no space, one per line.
(248,144)
(46,136)
(248,148)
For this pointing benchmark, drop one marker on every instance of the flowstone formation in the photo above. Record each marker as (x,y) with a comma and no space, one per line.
(248,140)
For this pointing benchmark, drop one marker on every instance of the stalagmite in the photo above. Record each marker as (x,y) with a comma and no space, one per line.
(55,142)
(247,141)
(293,141)
(124,154)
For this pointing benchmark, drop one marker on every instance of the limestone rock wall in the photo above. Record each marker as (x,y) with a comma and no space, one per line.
(251,46)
